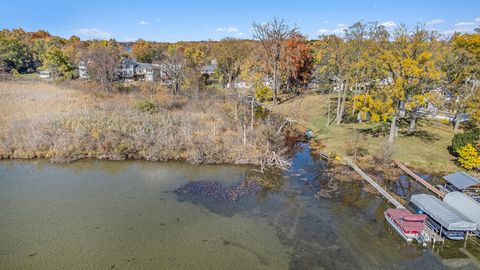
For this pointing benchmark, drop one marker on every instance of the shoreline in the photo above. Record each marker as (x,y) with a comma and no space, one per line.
(426,151)
(66,122)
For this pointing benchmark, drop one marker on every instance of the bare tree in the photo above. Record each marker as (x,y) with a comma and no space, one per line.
(101,59)
(173,66)
(230,56)
(272,36)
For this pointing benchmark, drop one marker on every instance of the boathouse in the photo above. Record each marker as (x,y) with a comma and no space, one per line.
(442,218)
(463,182)
(466,206)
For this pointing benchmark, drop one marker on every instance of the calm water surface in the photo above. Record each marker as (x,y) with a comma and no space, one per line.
(125,215)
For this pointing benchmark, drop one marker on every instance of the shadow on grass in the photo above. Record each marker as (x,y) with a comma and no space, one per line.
(380,129)
(423,135)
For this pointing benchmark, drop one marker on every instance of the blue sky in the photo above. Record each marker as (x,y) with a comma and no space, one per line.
(208,19)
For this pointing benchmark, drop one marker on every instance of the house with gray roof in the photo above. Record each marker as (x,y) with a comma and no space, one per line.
(128,70)
(210,69)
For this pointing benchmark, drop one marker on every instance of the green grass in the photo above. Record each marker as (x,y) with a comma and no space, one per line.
(427,150)
(33,75)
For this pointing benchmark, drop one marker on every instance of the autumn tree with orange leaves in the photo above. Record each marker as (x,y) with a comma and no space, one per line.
(298,63)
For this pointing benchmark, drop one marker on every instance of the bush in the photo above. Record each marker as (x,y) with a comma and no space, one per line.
(357,145)
(124,88)
(145,106)
(15,73)
(263,93)
(445,121)
(468,157)
(386,153)
(462,139)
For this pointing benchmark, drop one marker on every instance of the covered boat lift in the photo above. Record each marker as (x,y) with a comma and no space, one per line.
(466,206)
(442,217)
(463,182)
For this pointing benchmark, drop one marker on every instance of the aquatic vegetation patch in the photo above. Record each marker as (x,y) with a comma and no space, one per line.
(220,192)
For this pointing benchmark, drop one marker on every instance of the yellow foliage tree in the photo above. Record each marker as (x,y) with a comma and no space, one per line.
(473,107)
(468,157)
(412,69)
(462,70)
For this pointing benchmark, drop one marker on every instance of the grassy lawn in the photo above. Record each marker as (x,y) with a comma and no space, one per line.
(426,150)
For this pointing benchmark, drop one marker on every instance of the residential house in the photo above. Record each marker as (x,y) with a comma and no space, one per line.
(126,69)
(82,70)
(129,70)
(210,69)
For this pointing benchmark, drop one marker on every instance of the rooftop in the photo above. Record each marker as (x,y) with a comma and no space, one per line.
(462,180)
(442,213)
(465,205)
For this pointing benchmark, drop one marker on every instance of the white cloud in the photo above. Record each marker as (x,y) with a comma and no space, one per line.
(143,23)
(338,30)
(93,33)
(389,24)
(434,22)
(230,29)
(341,25)
(465,24)
(239,34)
(335,31)
(464,27)
(323,31)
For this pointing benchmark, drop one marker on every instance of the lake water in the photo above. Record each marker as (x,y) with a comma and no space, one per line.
(126,215)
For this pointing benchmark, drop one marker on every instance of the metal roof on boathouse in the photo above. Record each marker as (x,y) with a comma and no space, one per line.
(442,213)
(462,180)
(465,205)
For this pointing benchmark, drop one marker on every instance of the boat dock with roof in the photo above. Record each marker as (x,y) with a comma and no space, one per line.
(463,182)
(442,218)
(465,205)
(428,234)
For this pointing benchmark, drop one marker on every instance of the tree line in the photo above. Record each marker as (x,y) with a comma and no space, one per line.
(246,60)
(374,74)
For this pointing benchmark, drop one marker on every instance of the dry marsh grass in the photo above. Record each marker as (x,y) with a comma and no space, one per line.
(70,121)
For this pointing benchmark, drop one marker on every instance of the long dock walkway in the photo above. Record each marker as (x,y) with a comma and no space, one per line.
(420,180)
(374,184)
(433,235)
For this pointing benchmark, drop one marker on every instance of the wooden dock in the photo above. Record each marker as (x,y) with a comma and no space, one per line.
(375,185)
(433,235)
(435,238)
(420,180)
